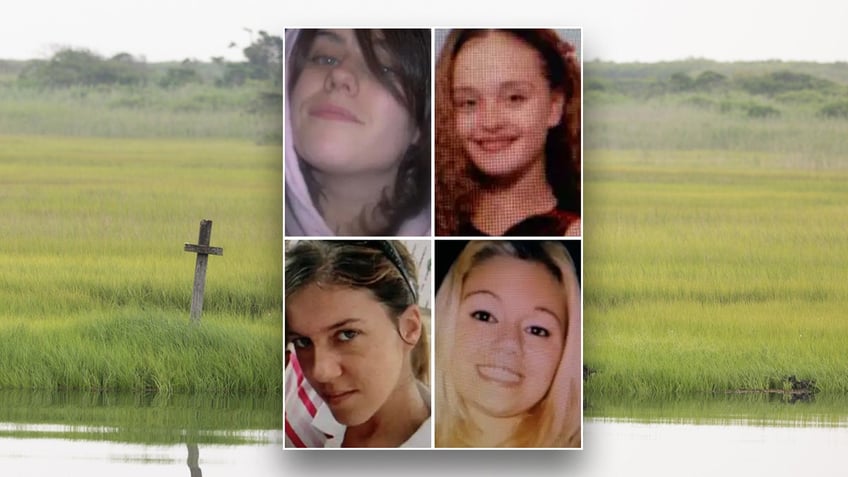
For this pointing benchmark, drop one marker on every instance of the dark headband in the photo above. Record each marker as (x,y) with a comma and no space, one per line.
(390,252)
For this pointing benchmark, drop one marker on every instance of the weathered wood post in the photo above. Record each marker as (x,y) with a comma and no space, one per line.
(203,250)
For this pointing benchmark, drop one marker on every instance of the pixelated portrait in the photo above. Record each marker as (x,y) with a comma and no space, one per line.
(508,132)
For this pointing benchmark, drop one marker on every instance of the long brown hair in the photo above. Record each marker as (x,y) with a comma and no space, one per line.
(458,180)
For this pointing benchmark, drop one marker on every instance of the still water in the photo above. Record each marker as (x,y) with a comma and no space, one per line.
(96,434)
(747,435)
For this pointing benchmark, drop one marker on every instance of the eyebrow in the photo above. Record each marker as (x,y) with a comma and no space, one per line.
(330,35)
(332,327)
(501,86)
(542,309)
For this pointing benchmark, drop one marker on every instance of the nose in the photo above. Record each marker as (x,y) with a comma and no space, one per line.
(326,365)
(508,339)
(492,116)
(342,78)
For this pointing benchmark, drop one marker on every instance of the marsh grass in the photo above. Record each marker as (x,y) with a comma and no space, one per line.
(715,251)
(192,111)
(143,351)
(94,283)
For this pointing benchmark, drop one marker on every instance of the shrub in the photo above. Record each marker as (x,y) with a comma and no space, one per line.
(835,110)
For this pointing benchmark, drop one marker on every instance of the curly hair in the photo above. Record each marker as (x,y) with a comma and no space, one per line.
(409,50)
(458,180)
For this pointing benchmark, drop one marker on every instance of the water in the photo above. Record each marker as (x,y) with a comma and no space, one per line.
(709,435)
(100,434)
(659,449)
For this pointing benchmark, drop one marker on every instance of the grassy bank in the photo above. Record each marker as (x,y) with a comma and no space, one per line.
(141,350)
(95,286)
(146,418)
(826,409)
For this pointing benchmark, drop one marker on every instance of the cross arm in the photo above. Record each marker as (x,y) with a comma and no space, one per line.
(205,249)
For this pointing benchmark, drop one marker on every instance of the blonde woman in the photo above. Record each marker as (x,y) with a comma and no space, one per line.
(508,338)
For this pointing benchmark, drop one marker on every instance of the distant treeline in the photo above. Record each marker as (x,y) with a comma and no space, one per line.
(70,67)
(755,87)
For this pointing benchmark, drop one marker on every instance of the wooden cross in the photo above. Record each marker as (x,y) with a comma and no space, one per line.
(203,250)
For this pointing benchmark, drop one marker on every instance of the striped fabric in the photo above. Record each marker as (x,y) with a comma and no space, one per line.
(301,406)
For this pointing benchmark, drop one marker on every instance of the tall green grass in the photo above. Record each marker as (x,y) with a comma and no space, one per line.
(94,283)
(714,265)
(141,350)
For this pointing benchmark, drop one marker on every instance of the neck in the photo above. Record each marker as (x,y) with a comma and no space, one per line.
(493,431)
(350,203)
(503,203)
(394,423)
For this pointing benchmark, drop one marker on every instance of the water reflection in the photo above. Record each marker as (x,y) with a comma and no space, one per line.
(49,433)
(828,410)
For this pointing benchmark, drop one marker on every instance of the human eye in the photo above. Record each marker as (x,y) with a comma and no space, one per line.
(465,104)
(538,331)
(484,316)
(324,60)
(346,335)
(517,98)
(301,342)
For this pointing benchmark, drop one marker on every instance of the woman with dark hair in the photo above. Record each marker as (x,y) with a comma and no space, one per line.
(357,153)
(360,343)
(507,134)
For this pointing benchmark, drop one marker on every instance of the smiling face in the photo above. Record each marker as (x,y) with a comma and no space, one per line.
(510,335)
(348,346)
(504,105)
(344,120)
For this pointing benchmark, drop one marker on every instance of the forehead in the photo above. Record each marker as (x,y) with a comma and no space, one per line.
(517,281)
(315,307)
(495,58)
(340,36)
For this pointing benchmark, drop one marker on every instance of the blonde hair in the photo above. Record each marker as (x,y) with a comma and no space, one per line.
(555,421)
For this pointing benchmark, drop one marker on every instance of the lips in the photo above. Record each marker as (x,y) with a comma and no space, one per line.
(499,375)
(333,112)
(494,143)
(337,397)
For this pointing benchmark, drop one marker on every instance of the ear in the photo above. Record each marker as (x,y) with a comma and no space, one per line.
(557,104)
(410,326)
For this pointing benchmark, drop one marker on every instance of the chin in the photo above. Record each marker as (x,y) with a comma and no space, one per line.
(351,418)
(499,165)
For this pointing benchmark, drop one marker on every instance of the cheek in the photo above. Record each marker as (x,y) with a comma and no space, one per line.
(464,125)
(543,360)
(393,117)
(533,120)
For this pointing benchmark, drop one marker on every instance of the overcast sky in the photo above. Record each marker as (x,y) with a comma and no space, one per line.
(642,30)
